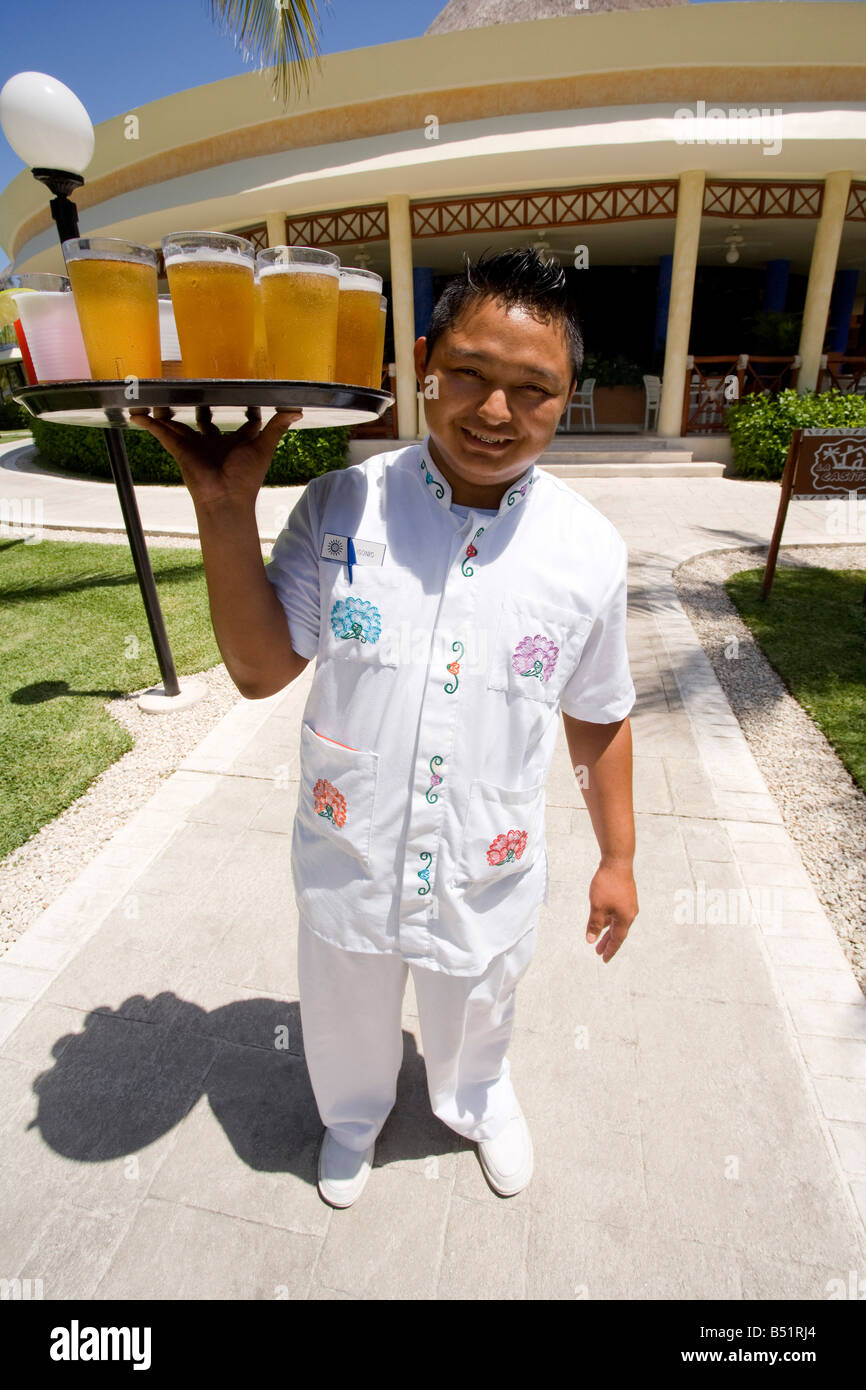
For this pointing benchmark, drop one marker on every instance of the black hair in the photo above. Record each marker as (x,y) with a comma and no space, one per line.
(517,279)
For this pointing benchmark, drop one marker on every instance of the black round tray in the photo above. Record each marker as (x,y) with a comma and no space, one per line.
(107,404)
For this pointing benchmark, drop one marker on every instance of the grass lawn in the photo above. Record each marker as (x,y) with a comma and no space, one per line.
(812,629)
(74,634)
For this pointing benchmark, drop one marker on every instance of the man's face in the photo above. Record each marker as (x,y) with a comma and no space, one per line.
(500,374)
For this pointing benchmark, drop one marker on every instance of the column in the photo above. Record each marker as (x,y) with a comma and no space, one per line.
(663,299)
(276,225)
(690,204)
(776,274)
(422,283)
(841,308)
(825,252)
(403,311)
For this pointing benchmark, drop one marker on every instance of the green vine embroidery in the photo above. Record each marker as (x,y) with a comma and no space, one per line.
(425,873)
(436,779)
(453,667)
(470,551)
(428,478)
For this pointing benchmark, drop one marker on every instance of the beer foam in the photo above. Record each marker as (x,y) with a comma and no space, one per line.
(208,255)
(359,282)
(298,268)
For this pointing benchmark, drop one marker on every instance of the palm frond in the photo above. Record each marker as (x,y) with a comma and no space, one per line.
(277,33)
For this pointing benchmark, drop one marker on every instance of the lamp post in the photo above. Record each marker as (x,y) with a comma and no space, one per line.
(50,130)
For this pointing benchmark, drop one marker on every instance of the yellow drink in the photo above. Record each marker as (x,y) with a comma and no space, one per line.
(213,301)
(357,328)
(117,308)
(300,307)
(260,337)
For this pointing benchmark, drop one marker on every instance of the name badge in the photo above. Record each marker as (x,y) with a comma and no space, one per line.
(366,552)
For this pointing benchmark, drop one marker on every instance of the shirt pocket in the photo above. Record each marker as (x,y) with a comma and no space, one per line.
(536,647)
(503,832)
(337,792)
(361,621)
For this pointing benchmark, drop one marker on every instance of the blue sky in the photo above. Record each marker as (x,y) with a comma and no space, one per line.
(89,47)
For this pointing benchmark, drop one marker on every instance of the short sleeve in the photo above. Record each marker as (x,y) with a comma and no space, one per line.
(600,691)
(293,570)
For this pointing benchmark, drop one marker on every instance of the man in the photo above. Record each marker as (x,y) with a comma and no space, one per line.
(481,597)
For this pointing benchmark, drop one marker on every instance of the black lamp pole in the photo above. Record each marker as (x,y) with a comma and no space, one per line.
(65,215)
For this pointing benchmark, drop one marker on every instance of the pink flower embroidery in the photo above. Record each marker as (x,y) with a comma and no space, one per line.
(507,847)
(329,802)
(535,656)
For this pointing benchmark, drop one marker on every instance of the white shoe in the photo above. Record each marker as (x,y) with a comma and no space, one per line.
(343,1172)
(507,1160)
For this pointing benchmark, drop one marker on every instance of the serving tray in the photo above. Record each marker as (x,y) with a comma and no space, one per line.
(107,404)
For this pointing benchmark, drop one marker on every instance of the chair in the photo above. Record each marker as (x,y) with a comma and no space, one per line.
(653,387)
(582,401)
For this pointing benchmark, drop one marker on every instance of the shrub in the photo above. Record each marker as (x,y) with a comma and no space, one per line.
(300,454)
(612,371)
(761,426)
(14,417)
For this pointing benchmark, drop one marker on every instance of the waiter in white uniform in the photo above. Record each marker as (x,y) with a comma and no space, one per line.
(457,599)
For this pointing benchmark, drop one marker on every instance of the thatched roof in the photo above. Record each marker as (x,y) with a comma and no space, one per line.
(478,14)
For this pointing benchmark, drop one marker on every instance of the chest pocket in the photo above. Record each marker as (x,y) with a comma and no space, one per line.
(362,621)
(337,792)
(536,647)
(503,832)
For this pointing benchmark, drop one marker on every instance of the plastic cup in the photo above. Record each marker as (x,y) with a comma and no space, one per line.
(169,346)
(115,288)
(49,323)
(379,345)
(357,325)
(211,278)
(300,292)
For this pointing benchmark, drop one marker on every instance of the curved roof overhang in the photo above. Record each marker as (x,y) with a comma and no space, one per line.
(558,102)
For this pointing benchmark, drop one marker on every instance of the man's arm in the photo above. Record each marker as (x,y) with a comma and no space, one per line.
(248,619)
(601,755)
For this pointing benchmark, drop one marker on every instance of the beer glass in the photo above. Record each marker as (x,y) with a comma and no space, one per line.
(114,285)
(50,327)
(357,324)
(379,345)
(300,292)
(210,275)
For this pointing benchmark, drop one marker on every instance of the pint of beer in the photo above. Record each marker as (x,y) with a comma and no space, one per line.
(357,325)
(300,292)
(114,286)
(210,276)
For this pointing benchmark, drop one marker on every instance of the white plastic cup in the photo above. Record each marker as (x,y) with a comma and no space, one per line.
(51,327)
(169,343)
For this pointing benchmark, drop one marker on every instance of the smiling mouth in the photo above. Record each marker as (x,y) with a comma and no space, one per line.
(489,439)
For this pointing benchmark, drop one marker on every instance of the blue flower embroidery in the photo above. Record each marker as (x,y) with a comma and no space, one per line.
(356,617)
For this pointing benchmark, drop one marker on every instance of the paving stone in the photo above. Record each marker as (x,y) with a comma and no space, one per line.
(373,1250)
(731,1149)
(851,1142)
(249,1148)
(572,1258)
(73,1250)
(834,986)
(842,1098)
(835,1057)
(187,1253)
(829,1019)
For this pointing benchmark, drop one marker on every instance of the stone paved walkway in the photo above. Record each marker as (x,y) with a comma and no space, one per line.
(698,1106)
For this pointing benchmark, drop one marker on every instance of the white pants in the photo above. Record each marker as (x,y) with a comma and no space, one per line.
(351,1006)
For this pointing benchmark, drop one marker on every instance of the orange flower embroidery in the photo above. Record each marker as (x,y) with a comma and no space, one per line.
(329,802)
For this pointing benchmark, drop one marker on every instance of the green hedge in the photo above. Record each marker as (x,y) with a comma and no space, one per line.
(14,417)
(300,454)
(761,426)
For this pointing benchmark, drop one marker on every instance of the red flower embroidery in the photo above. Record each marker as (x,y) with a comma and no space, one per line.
(507,847)
(329,802)
(470,550)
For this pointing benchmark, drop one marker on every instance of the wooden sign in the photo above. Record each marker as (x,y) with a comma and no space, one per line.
(820,463)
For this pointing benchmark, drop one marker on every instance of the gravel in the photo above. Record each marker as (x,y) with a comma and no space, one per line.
(822,807)
(36,873)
